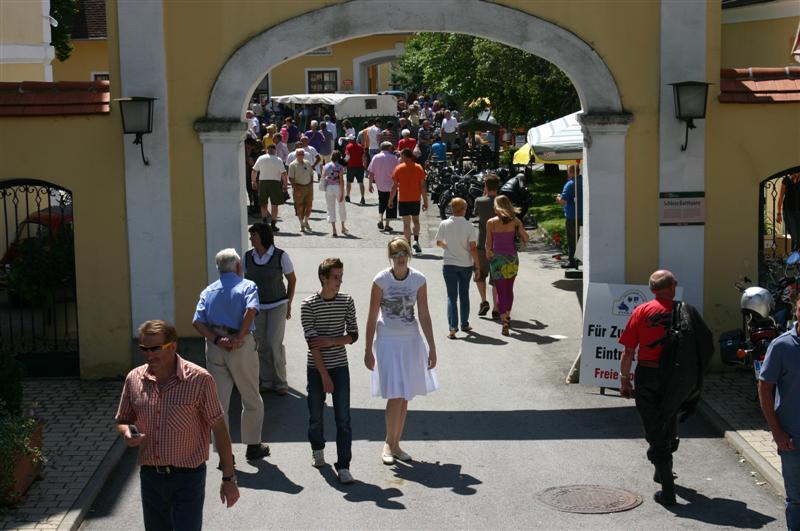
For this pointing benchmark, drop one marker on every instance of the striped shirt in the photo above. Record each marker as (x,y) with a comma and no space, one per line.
(329,318)
(175,418)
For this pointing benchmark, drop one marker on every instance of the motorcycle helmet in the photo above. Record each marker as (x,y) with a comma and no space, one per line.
(757,300)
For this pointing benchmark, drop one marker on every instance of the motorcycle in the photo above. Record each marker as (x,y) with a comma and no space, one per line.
(766,314)
(468,187)
(516,189)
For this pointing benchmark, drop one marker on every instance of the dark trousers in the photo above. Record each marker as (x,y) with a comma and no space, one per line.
(660,432)
(173,501)
(791,219)
(571,230)
(341,412)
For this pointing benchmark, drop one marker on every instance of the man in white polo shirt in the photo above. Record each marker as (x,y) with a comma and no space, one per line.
(269,178)
(459,239)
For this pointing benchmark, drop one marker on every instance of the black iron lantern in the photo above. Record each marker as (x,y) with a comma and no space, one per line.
(137,118)
(690,103)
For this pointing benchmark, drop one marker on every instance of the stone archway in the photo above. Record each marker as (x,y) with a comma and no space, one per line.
(604,120)
(363,62)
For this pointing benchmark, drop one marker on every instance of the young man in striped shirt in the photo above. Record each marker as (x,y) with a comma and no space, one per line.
(329,323)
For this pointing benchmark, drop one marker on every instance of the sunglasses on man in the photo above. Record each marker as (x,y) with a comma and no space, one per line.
(145,348)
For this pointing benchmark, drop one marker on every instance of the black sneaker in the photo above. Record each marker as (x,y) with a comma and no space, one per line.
(256,451)
(347,198)
(417,247)
(275,228)
(380,225)
(363,202)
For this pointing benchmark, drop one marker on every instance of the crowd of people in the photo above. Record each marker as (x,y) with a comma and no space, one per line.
(280,154)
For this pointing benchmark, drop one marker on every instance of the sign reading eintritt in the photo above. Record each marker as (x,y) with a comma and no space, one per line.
(608,308)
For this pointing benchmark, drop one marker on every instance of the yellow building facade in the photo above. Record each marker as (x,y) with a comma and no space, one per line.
(140,229)
(25,51)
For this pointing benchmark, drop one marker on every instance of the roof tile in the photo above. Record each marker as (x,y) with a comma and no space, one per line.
(760,85)
(38,98)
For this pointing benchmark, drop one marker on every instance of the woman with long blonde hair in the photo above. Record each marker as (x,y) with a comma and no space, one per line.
(401,362)
(501,252)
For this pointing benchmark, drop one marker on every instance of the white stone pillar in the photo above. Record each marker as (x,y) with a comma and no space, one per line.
(604,197)
(224,189)
(681,249)
(147,187)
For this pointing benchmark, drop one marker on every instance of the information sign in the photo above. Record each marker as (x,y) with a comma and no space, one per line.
(682,208)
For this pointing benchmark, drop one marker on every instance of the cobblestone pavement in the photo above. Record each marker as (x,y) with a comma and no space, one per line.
(78,434)
(732,396)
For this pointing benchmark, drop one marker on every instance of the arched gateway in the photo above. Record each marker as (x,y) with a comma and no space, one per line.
(605,123)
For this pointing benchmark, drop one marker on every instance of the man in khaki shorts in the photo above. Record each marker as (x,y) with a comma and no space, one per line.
(301,175)
(269,179)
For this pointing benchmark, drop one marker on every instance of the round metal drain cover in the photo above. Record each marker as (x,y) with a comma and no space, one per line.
(589,499)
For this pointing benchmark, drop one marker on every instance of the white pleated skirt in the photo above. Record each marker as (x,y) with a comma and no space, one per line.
(401,366)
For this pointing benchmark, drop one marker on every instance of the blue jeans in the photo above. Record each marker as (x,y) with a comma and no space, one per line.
(457,278)
(790,461)
(341,412)
(173,501)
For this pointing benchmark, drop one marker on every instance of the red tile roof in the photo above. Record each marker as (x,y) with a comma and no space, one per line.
(760,85)
(39,98)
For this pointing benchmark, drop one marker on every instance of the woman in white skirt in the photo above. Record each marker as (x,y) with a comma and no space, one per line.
(333,179)
(405,361)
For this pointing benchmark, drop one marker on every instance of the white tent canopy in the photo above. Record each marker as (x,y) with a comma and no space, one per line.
(559,140)
(346,105)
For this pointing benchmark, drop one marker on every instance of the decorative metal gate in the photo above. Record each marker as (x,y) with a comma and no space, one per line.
(774,241)
(38,317)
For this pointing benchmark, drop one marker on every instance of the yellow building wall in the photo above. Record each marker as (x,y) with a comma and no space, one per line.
(745,144)
(193,65)
(86,158)
(384,76)
(87,57)
(290,77)
(21,72)
(759,43)
(21,21)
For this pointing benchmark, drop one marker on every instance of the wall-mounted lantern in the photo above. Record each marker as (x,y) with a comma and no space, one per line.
(690,103)
(137,118)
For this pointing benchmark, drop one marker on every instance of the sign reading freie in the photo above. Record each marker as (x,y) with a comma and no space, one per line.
(608,308)
(681,208)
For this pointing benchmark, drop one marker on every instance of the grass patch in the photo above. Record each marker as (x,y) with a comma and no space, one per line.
(548,212)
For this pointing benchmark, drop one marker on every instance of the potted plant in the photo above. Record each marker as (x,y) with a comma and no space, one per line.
(20,436)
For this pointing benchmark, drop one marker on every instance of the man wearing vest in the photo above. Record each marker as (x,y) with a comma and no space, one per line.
(266,265)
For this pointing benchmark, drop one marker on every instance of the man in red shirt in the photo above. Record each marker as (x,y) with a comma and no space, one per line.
(409,188)
(354,155)
(647,329)
(167,409)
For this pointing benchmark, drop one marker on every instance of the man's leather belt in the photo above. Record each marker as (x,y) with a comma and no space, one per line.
(228,330)
(169,469)
(649,363)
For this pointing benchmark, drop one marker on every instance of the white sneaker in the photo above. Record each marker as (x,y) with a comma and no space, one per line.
(345,476)
(318,458)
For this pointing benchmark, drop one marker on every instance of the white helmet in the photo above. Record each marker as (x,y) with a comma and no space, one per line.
(757,300)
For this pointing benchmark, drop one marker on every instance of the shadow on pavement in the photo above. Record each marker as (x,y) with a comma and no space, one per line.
(569,284)
(268,477)
(480,339)
(363,492)
(437,476)
(287,421)
(717,511)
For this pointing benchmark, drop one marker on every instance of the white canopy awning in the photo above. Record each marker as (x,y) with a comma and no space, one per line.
(559,140)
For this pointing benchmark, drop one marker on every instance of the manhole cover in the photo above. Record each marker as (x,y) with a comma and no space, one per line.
(589,499)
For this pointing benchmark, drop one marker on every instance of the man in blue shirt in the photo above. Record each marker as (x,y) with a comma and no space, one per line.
(781,371)
(225,316)
(439,150)
(567,199)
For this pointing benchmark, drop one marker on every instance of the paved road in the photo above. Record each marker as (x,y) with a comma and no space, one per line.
(502,428)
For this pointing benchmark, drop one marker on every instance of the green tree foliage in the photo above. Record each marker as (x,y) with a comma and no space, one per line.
(64,12)
(524,89)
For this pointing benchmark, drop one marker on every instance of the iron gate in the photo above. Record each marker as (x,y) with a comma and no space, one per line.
(38,316)
(774,243)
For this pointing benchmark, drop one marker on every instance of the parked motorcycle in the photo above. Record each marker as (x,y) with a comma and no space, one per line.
(765,315)
(468,187)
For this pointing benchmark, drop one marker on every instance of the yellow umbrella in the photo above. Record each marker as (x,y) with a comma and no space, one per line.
(523,155)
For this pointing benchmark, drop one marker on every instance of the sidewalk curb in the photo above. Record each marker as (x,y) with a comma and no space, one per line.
(762,466)
(74,517)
